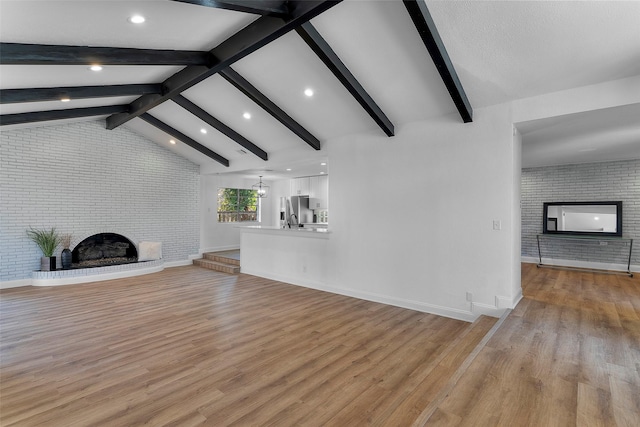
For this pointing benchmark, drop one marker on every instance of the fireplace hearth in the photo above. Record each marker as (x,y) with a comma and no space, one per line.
(104,249)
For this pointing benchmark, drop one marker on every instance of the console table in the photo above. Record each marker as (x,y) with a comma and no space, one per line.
(587,238)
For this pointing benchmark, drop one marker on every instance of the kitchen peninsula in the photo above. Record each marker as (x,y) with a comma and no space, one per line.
(293,255)
(293,248)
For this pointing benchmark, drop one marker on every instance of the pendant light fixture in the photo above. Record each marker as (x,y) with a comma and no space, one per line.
(260,188)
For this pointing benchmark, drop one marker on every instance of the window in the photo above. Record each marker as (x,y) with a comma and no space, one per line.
(237,205)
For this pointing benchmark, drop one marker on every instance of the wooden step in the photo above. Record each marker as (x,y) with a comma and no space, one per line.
(220,257)
(217,266)
(479,333)
(429,383)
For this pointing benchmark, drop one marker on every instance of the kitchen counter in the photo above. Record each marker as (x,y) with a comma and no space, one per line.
(293,231)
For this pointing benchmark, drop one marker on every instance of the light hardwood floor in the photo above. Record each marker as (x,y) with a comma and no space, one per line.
(190,346)
(568,355)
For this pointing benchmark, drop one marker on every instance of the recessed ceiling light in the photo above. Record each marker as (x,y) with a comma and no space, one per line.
(288,169)
(323,164)
(65,99)
(203,130)
(247,115)
(137,19)
(308,92)
(321,173)
(172,141)
(95,68)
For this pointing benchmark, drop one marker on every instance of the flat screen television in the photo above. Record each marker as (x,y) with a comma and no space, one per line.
(583,218)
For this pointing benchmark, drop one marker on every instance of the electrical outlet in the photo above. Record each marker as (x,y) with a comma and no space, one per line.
(496,224)
(469,296)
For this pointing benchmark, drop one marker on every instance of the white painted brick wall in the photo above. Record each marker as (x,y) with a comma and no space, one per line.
(84,179)
(608,181)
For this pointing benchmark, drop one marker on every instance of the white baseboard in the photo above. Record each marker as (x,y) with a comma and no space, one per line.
(501,305)
(438,310)
(478,309)
(580,264)
(506,302)
(453,313)
(15,283)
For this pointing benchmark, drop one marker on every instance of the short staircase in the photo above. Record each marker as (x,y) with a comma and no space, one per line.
(225,262)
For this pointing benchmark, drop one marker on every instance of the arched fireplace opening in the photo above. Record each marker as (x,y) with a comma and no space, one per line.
(104,249)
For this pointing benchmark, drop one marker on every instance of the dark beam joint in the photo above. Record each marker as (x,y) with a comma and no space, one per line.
(277,8)
(217,124)
(11,96)
(321,48)
(72,113)
(184,138)
(429,33)
(266,104)
(42,54)
(259,33)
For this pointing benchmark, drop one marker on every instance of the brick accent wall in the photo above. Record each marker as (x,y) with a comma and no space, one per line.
(84,179)
(607,181)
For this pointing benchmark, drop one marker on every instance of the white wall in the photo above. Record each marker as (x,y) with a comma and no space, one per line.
(412,219)
(216,236)
(516,219)
(412,216)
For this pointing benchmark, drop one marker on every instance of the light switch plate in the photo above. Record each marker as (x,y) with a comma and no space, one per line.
(496,224)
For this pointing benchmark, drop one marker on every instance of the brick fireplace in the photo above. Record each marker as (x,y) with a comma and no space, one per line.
(104,249)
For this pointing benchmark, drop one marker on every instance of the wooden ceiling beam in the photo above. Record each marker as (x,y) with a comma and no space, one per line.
(72,113)
(259,33)
(270,107)
(431,38)
(221,127)
(12,96)
(44,54)
(277,8)
(326,54)
(184,138)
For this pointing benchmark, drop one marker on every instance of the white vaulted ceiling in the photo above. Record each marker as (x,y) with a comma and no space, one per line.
(506,50)
(502,51)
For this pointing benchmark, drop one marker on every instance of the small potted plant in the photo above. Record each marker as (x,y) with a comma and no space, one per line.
(47,241)
(66,255)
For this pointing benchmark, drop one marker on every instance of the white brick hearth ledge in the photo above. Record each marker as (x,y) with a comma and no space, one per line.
(95,274)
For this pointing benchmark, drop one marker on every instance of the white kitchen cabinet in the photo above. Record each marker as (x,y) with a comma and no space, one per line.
(313,186)
(318,192)
(316,187)
(316,204)
(300,186)
(324,188)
